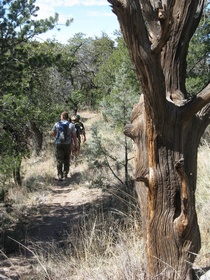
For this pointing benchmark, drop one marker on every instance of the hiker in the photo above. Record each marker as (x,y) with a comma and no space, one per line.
(80,129)
(80,132)
(64,132)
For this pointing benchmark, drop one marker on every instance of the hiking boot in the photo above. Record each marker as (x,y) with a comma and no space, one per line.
(65,175)
(60,177)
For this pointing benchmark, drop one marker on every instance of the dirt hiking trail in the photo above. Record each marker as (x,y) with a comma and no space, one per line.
(51,216)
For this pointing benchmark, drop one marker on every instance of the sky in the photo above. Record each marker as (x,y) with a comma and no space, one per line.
(91,17)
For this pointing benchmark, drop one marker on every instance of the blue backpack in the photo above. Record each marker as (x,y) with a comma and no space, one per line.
(62,132)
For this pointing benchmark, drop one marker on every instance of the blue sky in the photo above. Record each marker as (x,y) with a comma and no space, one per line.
(91,17)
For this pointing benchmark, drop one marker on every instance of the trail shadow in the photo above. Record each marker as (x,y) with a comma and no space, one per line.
(47,224)
(74,178)
(38,181)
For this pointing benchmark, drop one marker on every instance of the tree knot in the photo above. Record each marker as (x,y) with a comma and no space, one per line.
(143,179)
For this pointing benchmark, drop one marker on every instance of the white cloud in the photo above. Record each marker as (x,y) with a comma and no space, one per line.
(94,2)
(45,10)
(49,8)
(99,14)
(89,17)
(70,3)
(83,2)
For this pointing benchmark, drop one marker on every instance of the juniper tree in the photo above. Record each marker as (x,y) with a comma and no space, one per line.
(166,127)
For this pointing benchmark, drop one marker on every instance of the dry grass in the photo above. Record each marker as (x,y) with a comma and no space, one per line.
(38,174)
(98,254)
(203,205)
(101,252)
(100,249)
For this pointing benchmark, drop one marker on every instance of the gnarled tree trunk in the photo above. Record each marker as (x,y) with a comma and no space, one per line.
(166,128)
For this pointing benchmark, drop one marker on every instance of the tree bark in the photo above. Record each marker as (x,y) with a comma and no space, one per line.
(166,127)
(166,181)
(37,139)
(16,171)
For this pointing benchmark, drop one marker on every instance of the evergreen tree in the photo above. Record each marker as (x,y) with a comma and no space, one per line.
(117,108)
(198,60)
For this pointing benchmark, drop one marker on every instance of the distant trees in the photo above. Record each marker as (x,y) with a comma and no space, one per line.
(198,58)
(111,151)
(117,108)
(90,54)
(106,76)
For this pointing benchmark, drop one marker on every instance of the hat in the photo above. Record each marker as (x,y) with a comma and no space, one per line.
(74,118)
(78,117)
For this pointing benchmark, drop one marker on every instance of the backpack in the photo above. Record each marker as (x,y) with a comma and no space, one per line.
(62,132)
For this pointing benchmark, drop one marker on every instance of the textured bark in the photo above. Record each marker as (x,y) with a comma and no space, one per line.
(166,127)
(37,139)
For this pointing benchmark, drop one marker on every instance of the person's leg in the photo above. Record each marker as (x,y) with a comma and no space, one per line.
(59,154)
(67,153)
(79,144)
(73,152)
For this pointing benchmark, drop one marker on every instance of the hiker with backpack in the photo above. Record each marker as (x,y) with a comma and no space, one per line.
(64,133)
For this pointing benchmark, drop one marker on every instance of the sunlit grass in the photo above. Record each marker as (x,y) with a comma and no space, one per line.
(203,204)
